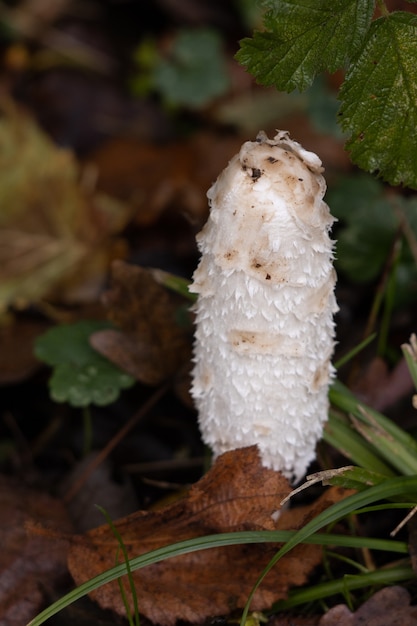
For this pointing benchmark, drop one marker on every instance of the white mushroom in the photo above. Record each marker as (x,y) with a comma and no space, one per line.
(264,315)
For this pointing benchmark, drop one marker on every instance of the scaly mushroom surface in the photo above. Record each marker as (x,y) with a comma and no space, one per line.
(264,314)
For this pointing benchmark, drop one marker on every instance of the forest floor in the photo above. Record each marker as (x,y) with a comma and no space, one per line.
(106,157)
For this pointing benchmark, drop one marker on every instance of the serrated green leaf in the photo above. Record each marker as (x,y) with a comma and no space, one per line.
(379,101)
(303,38)
(81,376)
(195,73)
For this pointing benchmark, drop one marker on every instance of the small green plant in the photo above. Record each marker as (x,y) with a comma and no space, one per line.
(379,94)
(80,375)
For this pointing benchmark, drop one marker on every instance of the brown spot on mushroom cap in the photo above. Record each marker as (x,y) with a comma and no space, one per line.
(321,376)
(261,342)
(256,173)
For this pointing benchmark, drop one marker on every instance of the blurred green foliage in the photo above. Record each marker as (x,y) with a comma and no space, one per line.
(191,73)
(371,223)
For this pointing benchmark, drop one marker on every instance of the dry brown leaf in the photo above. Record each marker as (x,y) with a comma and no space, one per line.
(388,607)
(117,497)
(381,388)
(29,563)
(53,232)
(288,619)
(236,494)
(173,176)
(151,346)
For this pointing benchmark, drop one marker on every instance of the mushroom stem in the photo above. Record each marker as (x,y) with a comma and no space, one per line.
(264,315)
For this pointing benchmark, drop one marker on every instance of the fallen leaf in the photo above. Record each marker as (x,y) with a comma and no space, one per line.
(29,563)
(387,607)
(53,232)
(289,619)
(236,494)
(117,497)
(381,388)
(151,345)
(156,179)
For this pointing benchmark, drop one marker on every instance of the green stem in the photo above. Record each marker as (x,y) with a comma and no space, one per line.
(88,430)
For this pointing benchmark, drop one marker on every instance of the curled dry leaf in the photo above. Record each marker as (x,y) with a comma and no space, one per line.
(53,232)
(151,345)
(29,563)
(238,493)
(388,606)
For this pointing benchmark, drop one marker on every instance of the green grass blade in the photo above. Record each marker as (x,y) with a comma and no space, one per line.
(352,353)
(175,283)
(345,400)
(356,478)
(410,354)
(389,488)
(388,576)
(400,456)
(340,434)
(204,543)
(122,547)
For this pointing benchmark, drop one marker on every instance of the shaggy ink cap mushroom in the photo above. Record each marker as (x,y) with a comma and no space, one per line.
(264,315)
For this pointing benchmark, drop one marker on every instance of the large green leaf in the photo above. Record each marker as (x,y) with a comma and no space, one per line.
(379,100)
(303,38)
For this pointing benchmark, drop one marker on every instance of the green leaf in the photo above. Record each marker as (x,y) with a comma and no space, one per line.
(195,73)
(303,38)
(81,376)
(379,99)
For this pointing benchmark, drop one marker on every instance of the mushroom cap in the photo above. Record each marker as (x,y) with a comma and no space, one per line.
(264,316)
